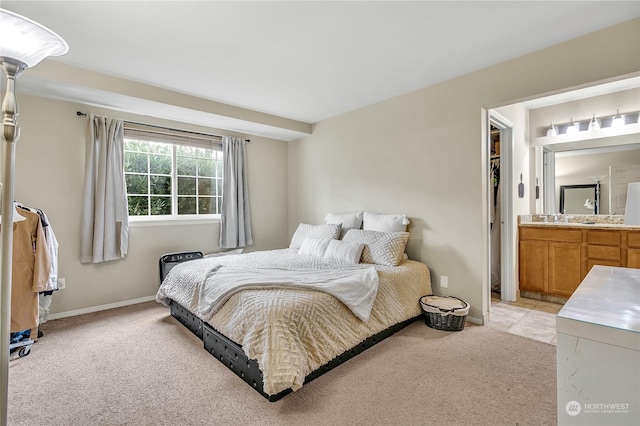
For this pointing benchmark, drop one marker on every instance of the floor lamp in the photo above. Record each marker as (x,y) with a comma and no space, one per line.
(23,44)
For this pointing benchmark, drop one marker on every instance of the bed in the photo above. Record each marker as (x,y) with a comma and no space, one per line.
(277,330)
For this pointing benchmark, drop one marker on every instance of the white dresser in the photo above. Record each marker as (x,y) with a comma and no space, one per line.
(598,350)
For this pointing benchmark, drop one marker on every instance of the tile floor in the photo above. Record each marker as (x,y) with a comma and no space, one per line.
(535,319)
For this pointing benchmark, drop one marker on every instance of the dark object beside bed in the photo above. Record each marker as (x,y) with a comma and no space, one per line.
(232,356)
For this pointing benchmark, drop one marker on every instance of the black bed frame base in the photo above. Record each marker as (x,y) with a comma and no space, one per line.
(233,357)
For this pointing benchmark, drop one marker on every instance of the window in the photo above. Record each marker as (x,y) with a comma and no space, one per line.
(170,173)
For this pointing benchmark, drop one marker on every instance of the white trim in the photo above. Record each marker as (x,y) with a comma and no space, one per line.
(475,320)
(100,308)
(146,221)
(508,246)
(486,237)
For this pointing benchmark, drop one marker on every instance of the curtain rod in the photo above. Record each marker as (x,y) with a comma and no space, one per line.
(84,114)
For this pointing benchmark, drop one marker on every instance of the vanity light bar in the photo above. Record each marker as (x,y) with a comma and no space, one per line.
(595,123)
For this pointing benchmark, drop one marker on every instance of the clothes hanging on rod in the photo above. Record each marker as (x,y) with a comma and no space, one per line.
(31,269)
(494,176)
(52,245)
(44,298)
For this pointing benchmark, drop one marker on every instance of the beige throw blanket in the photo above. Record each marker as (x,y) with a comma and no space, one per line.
(355,287)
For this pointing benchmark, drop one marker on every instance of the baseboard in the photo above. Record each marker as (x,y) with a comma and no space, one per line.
(98,308)
(474,320)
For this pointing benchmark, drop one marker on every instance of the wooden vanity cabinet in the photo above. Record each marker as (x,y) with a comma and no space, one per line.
(555,259)
(603,248)
(550,260)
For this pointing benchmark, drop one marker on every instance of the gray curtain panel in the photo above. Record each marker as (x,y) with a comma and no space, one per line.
(105,215)
(235,223)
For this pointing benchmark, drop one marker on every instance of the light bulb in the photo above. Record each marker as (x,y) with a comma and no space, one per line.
(594,124)
(552,130)
(572,128)
(618,120)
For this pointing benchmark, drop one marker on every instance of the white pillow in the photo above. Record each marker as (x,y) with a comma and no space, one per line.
(381,248)
(345,251)
(329,231)
(348,220)
(384,222)
(314,246)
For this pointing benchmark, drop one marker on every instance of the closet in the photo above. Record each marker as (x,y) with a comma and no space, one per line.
(494,209)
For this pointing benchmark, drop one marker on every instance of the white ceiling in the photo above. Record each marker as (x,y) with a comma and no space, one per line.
(308,61)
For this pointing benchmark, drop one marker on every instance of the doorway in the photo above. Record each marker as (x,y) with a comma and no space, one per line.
(500,227)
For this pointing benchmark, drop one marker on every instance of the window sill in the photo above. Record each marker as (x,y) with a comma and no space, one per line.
(135,222)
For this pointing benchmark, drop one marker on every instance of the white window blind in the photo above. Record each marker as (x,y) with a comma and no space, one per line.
(165,135)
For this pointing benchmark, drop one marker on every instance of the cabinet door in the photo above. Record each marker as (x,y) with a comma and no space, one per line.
(564,268)
(633,252)
(534,265)
(633,258)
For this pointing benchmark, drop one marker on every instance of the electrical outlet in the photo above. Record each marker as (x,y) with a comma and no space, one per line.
(61,283)
(444,281)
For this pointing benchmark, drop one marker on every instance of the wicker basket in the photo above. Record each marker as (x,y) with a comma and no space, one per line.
(444,313)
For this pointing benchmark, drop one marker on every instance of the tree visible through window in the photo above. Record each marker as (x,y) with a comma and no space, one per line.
(167,179)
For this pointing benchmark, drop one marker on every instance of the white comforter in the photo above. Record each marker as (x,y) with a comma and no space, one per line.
(291,332)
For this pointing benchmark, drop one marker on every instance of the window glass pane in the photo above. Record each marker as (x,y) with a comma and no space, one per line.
(186,151)
(161,185)
(136,184)
(160,148)
(135,162)
(206,167)
(134,145)
(186,186)
(138,206)
(186,205)
(160,205)
(206,186)
(219,204)
(160,164)
(219,168)
(206,205)
(219,187)
(186,166)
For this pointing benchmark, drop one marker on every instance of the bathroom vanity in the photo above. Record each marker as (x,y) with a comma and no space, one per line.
(554,257)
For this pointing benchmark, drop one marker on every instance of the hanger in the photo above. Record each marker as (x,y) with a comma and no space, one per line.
(17,217)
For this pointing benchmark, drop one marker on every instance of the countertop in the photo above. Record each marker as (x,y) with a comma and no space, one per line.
(619,226)
(607,299)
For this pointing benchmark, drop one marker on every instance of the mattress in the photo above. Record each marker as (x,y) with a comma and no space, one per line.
(292,332)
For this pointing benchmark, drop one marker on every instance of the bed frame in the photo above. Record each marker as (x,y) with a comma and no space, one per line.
(233,357)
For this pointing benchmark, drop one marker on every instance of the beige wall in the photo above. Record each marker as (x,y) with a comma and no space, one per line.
(50,173)
(421,153)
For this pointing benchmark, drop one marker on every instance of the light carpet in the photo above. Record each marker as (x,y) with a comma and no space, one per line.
(138,366)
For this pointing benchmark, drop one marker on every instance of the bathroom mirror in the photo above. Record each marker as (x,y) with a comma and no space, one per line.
(579,199)
(615,165)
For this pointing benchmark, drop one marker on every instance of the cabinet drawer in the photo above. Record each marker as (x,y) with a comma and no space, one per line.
(591,263)
(633,239)
(603,252)
(608,238)
(544,234)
